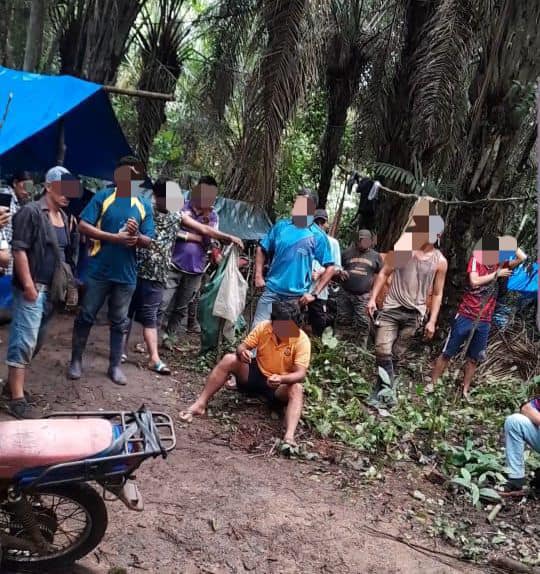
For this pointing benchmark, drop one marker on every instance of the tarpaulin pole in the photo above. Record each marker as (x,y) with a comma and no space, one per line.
(61,147)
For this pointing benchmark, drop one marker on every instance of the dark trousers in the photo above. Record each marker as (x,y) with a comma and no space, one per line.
(96,292)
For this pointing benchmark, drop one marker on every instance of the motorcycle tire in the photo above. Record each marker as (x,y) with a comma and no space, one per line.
(86,497)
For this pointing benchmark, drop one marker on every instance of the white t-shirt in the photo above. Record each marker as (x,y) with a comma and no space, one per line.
(336,257)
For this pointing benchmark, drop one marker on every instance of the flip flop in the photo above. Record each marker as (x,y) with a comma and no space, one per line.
(230,383)
(160,367)
(139,348)
(124,357)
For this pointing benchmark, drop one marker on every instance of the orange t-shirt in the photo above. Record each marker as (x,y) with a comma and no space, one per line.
(276,358)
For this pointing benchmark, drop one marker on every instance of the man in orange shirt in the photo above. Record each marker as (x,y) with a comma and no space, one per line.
(283,352)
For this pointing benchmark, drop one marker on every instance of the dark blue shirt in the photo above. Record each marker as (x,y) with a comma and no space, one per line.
(112,261)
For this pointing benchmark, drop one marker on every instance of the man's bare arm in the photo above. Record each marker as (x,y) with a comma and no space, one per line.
(297,375)
(324,279)
(438,289)
(208,231)
(531,413)
(260,260)
(22,268)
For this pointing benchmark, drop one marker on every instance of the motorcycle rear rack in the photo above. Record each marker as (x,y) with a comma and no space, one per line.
(101,467)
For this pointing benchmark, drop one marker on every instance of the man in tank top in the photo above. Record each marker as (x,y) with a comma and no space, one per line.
(418,269)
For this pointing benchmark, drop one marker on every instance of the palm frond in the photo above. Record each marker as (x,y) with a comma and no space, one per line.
(438,89)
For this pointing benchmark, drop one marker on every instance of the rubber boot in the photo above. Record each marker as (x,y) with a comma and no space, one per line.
(78,344)
(115,358)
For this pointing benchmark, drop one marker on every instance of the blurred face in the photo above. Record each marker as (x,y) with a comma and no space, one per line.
(285,329)
(129,180)
(58,193)
(203,198)
(487,257)
(363,243)
(23,189)
(303,211)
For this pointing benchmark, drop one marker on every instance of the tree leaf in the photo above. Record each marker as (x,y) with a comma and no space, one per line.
(490,494)
(475,492)
(466,474)
(385,377)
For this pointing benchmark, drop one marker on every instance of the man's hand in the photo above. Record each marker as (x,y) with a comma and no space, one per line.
(306,299)
(274,381)
(344,275)
(30,293)
(126,239)
(237,241)
(371,307)
(132,227)
(245,356)
(4,216)
(260,283)
(503,272)
(429,330)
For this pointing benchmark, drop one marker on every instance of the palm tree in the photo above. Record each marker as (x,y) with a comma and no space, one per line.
(162,38)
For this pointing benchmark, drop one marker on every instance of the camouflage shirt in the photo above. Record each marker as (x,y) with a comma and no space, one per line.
(154,263)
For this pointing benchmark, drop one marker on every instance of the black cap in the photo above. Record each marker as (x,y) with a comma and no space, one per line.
(320,214)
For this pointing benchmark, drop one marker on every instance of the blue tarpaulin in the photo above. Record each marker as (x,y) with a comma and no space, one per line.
(36,107)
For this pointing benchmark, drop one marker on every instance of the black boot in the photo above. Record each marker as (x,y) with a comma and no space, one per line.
(115,358)
(78,344)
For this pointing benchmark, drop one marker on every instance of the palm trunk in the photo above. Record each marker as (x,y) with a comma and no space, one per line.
(34,36)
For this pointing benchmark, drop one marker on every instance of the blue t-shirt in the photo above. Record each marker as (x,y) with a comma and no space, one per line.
(292,251)
(111,261)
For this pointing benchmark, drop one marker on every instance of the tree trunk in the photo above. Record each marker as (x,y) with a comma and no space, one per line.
(7,13)
(34,36)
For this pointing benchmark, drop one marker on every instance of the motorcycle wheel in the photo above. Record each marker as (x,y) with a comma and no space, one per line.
(85,508)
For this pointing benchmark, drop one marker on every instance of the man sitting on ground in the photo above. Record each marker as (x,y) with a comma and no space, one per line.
(277,372)
(520,429)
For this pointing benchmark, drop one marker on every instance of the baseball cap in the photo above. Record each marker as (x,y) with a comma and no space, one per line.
(57,173)
(364,234)
(320,214)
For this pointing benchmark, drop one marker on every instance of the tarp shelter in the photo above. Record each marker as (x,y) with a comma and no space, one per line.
(36,107)
(249,222)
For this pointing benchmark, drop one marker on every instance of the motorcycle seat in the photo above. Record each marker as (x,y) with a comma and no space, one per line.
(45,442)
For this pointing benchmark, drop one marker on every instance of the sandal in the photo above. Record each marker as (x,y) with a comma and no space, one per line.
(160,367)
(123,358)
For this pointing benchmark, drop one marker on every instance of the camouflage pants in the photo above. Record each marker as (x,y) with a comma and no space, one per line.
(354,307)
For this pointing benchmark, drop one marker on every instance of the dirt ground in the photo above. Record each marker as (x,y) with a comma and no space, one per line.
(222,503)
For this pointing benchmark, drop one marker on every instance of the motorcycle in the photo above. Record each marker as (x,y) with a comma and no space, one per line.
(50,516)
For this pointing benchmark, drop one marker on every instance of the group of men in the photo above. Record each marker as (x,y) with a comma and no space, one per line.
(147,258)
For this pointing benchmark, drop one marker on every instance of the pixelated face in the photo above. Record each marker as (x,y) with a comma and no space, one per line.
(62,191)
(364,243)
(285,329)
(303,211)
(203,198)
(424,227)
(129,180)
(174,198)
(491,251)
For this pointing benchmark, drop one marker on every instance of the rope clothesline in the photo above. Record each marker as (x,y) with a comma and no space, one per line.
(456,201)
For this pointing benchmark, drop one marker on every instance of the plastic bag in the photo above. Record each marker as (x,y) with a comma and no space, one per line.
(231,297)
(205,313)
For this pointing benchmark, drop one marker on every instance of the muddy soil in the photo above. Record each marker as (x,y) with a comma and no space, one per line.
(224,502)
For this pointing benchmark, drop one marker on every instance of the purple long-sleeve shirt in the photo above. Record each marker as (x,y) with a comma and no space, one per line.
(190,256)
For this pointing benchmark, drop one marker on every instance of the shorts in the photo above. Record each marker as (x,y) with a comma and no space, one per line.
(256,385)
(144,306)
(461,329)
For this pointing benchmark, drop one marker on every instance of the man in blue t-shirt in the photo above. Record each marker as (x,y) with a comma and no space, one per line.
(291,246)
(118,220)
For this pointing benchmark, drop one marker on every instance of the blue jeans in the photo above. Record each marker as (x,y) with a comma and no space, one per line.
(264,305)
(518,431)
(28,327)
(97,291)
(461,329)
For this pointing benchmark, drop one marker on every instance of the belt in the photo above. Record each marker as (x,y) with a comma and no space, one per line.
(42,288)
